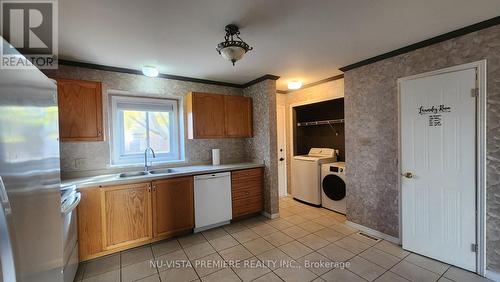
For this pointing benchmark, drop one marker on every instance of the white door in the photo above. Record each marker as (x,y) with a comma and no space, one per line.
(282,181)
(438,198)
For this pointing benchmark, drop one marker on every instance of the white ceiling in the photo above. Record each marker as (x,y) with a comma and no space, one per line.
(295,39)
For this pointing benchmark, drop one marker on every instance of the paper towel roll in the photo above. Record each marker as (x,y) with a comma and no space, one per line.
(215,157)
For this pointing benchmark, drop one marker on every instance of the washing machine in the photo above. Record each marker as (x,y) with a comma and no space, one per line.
(333,188)
(306,174)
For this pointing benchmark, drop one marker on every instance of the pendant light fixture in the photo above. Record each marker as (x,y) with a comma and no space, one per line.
(233,48)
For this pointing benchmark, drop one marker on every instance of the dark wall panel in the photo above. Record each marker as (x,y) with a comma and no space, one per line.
(321,136)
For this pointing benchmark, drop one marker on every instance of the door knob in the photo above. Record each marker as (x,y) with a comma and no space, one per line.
(282,159)
(408,175)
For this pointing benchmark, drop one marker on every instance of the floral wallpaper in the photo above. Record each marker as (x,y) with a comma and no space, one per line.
(263,145)
(372,131)
(91,158)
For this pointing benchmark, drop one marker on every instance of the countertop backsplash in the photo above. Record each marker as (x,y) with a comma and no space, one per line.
(80,159)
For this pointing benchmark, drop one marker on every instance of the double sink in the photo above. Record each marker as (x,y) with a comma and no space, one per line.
(142,173)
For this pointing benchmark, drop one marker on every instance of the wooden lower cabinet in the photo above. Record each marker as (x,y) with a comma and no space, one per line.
(246,192)
(173,206)
(126,214)
(89,223)
(119,217)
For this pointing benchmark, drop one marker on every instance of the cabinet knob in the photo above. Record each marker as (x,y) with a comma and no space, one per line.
(408,175)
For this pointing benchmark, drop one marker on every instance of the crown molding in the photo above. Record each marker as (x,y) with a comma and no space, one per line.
(260,79)
(167,76)
(328,79)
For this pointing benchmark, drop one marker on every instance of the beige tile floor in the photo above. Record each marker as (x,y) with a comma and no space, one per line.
(303,238)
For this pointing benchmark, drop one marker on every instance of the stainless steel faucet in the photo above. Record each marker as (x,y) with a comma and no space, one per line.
(146,166)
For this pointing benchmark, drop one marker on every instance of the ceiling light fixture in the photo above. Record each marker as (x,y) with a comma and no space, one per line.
(231,49)
(294,85)
(150,71)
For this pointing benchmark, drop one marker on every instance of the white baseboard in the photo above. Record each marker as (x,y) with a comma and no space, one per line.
(271,216)
(495,276)
(374,233)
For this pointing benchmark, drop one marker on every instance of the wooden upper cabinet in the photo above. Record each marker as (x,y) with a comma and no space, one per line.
(205,115)
(218,116)
(238,116)
(80,110)
(126,214)
(173,206)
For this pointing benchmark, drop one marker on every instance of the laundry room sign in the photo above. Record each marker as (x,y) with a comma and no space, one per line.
(435,113)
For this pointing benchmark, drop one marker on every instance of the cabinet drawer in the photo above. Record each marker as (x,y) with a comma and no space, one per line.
(247,206)
(246,193)
(251,184)
(246,173)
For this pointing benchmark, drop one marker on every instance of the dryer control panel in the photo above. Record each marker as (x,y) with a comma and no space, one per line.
(336,169)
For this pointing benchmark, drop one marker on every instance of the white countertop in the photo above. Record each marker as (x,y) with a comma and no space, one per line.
(114,179)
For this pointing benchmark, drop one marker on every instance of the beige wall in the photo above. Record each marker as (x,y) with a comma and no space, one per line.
(321,92)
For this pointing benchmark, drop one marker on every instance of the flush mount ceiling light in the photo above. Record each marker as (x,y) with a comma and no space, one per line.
(150,71)
(294,85)
(231,49)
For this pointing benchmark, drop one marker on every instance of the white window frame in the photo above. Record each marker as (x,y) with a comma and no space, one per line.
(116,130)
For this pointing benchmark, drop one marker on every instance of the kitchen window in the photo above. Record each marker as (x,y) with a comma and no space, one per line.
(138,123)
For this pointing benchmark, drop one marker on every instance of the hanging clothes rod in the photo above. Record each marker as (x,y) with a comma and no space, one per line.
(320,122)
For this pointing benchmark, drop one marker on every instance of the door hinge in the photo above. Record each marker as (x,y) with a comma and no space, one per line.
(474,92)
(473,248)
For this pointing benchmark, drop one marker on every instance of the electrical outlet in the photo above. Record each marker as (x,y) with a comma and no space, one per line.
(79,163)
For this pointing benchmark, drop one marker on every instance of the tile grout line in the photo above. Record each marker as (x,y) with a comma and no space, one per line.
(389,270)
(121,266)
(329,243)
(184,251)
(156,259)
(254,255)
(219,254)
(216,252)
(386,270)
(253,224)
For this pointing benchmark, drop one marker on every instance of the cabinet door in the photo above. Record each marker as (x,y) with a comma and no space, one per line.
(173,206)
(80,110)
(126,214)
(238,116)
(207,115)
(89,224)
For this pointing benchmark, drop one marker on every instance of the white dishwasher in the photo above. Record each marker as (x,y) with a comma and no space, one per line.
(212,200)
